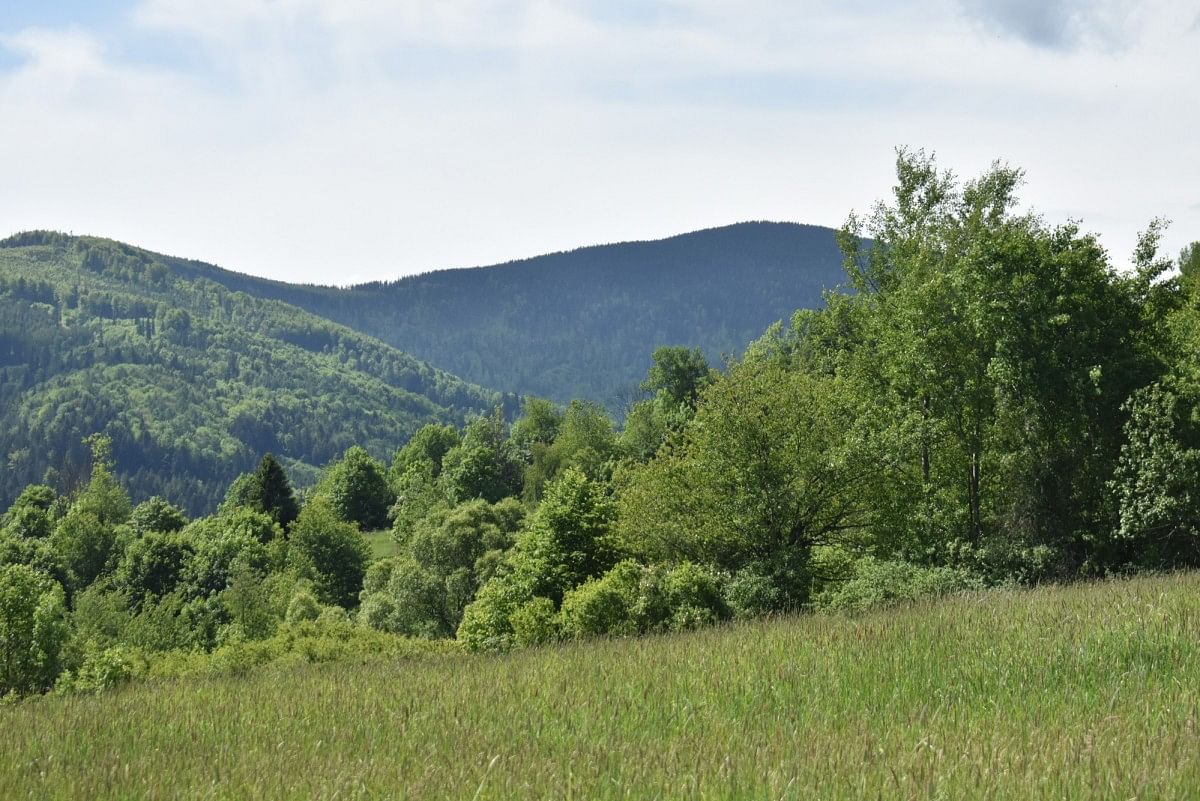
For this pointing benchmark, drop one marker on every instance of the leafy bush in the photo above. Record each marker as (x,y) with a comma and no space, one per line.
(880,583)
(535,623)
(303,606)
(306,642)
(103,669)
(635,599)
(33,629)
(604,605)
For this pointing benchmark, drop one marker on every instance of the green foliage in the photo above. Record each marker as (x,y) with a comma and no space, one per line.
(427,447)
(224,546)
(584,440)
(333,554)
(357,489)
(303,606)
(678,374)
(33,630)
(87,540)
(767,469)
(1002,350)
(86,547)
(323,640)
(566,542)
(482,465)
(100,617)
(603,605)
(255,606)
(156,514)
(266,490)
(102,670)
(1157,483)
(191,381)
(153,565)
(441,566)
(538,425)
(536,622)
(32,515)
(178,621)
(636,599)
(879,583)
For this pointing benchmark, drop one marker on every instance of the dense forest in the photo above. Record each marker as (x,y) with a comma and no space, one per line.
(993,405)
(581,324)
(192,382)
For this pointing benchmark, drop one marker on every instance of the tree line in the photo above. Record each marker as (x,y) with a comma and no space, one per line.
(992,403)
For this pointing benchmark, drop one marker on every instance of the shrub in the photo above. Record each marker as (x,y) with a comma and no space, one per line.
(632,599)
(878,583)
(694,598)
(306,642)
(604,605)
(535,623)
(103,669)
(487,621)
(33,630)
(303,606)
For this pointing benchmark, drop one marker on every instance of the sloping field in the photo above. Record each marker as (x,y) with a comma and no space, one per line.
(1090,691)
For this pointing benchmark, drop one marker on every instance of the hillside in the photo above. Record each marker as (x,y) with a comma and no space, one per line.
(1077,692)
(192,381)
(582,324)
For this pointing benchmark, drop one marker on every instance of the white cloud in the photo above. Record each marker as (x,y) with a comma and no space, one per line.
(1063,24)
(319,139)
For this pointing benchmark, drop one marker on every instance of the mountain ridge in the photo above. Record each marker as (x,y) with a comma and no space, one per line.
(581,322)
(191,381)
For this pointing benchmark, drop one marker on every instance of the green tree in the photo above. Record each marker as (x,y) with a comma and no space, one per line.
(358,491)
(153,565)
(32,514)
(103,497)
(268,490)
(679,374)
(428,447)
(156,514)
(675,380)
(537,426)
(483,465)
(566,542)
(444,561)
(224,546)
(33,630)
(329,551)
(584,440)
(1157,483)
(774,464)
(1004,348)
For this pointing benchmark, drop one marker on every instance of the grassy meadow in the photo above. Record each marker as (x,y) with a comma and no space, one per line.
(383,544)
(1089,691)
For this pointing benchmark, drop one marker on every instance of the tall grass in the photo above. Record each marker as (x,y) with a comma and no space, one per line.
(1089,692)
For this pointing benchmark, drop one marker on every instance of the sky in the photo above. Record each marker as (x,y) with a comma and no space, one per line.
(336,141)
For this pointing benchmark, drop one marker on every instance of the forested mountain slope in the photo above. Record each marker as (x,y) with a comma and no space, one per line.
(191,380)
(582,324)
